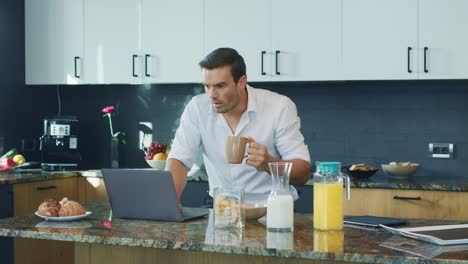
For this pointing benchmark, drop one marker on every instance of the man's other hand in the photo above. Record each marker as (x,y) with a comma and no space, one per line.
(258,156)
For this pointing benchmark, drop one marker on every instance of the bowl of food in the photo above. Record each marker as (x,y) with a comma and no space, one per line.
(255,205)
(156,155)
(157,164)
(360,171)
(400,169)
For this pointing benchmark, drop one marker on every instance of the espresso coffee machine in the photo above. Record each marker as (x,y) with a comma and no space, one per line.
(59,143)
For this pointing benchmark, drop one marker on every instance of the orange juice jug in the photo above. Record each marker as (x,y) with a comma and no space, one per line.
(329,195)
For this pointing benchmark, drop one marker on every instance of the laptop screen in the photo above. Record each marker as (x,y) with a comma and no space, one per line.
(145,194)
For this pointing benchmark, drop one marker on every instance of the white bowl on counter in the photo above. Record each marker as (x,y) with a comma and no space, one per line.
(157,164)
(398,171)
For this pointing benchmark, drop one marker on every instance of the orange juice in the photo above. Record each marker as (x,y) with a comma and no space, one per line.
(328,241)
(328,206)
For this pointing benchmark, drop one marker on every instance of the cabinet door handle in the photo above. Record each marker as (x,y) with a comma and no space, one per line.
(76,67)
(263,53)
(409,60)
(133,65)
(146,65)
(276,62)
(425,59)
(396,197)
(43,188)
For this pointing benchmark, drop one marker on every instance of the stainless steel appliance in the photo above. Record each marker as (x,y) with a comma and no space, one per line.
(59,143)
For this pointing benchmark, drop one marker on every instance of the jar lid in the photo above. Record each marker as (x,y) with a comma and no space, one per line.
(328,168)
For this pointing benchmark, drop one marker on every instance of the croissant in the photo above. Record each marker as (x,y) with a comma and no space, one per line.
(70,208)
(49,207)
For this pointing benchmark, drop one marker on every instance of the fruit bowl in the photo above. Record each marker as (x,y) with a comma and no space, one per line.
(157,164)
(400,170)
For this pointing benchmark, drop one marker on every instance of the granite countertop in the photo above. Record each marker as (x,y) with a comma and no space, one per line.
(32,175)
(352,244)
(434,183)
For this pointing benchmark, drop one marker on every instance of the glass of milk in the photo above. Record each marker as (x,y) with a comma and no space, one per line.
(280,204)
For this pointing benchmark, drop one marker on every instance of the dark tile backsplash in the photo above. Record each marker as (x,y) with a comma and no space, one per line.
(367,121)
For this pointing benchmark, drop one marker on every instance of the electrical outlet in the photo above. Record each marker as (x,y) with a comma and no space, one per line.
(441,150)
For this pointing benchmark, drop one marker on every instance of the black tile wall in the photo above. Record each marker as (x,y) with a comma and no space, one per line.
(361,121)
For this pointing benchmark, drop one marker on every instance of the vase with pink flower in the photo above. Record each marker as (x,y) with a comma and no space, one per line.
(116,138)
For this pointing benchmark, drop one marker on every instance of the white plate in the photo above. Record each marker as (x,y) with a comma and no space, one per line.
(63,218)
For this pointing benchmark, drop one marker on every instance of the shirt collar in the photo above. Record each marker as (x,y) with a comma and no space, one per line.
(251,101)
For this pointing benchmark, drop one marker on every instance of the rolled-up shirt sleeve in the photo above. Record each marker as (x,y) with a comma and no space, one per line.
(288,138)
(187,138)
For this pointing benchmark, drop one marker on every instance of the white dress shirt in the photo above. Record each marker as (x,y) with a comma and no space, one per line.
(271,119)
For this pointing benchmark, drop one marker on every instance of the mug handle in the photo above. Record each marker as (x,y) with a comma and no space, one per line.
(247,146)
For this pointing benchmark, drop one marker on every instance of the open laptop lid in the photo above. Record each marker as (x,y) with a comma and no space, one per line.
(144,194)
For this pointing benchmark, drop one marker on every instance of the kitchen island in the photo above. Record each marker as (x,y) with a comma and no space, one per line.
(197,241)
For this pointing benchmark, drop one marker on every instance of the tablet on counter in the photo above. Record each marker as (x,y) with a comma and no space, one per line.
(373,221)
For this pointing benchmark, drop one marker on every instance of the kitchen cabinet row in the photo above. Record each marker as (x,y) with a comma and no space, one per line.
(160,41)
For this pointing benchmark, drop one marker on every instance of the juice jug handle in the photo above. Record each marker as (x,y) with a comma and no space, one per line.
(347,185)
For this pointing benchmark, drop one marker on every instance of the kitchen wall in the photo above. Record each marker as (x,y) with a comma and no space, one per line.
(368,121)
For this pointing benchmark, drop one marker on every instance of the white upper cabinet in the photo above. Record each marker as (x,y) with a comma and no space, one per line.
(162,41)
(443,39)
(245,26)
(280,40)
(53,41)
(112,41)
(306,40)
(172,40)
(380,39)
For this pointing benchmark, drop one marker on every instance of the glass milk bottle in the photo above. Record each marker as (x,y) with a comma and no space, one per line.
(328,196)
(280,204)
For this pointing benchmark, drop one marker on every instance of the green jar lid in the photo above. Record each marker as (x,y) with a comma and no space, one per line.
(328,168)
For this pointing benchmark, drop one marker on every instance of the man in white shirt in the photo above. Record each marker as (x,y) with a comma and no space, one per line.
(231,107)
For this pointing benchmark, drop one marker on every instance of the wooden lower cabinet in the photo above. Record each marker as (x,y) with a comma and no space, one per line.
(91,190)
(27,197)
(88,253)
(444,205)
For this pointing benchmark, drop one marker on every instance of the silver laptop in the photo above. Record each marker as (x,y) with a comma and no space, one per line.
(146,195)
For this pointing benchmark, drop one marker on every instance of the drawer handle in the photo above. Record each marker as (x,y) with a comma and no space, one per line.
(43,188)
(396,197)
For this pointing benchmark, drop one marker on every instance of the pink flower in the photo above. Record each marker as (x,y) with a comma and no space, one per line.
(108,109)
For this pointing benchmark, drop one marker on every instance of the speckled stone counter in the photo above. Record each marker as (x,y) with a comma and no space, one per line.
(32,175)
(433,183)
(368,245)
(415,183)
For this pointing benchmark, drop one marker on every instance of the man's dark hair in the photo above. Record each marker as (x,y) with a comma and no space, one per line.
(225,57)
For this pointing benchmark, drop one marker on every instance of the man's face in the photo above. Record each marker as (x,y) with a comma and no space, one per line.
(224,93)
